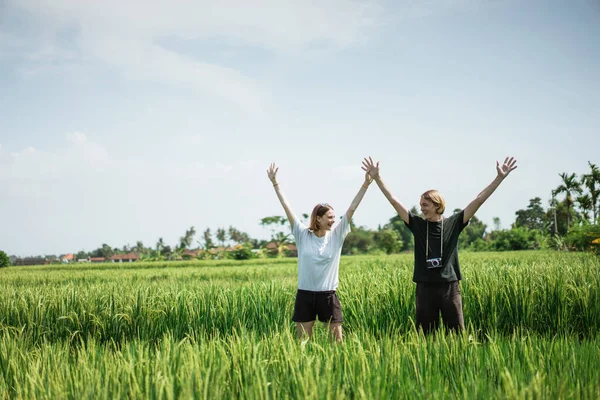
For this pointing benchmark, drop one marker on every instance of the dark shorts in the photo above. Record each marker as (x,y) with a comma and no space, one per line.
(310,305)
(436,298)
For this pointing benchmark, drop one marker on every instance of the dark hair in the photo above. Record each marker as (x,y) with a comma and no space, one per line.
(319,210)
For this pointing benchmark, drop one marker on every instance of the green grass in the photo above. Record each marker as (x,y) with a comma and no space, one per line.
(223,329)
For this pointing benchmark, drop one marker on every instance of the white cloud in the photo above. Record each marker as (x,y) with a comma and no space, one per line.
(124,35)
(77,137)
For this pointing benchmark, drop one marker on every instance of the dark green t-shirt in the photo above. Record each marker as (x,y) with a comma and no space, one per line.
(450,270)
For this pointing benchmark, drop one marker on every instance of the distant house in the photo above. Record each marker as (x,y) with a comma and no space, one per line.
(67,258)
(129,257)
(289,250)
(97,259)
(189,254)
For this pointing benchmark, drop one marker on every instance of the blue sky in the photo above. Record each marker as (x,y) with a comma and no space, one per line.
(126,121)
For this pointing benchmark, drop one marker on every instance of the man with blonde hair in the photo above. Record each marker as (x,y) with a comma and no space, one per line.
(436,266)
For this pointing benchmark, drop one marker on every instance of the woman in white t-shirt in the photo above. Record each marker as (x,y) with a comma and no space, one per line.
(319,248)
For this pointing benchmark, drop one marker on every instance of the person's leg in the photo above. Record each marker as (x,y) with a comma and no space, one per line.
(304,313)
(335,330)
(427,316)
(452,313)
(304,328)
(329,311)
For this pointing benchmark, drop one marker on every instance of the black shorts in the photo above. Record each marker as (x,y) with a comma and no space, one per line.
(325,305)
(435,298)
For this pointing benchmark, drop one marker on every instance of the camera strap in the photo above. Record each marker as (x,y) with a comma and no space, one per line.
(441,241)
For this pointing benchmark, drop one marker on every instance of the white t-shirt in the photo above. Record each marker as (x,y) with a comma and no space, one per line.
(319,257)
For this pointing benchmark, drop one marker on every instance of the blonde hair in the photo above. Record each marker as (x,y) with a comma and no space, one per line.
(319,210)
(436,198)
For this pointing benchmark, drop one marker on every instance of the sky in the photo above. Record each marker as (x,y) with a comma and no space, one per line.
(126,121)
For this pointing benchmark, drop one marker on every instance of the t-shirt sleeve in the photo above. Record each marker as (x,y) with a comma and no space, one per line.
(411,221)
(342,230)
(460,225)
(298,229)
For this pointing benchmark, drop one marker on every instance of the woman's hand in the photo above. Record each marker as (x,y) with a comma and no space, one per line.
(371,169)
(272,173)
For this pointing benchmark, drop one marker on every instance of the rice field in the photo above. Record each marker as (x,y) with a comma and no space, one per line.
(223,329)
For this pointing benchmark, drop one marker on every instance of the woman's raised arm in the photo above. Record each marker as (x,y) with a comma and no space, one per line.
(272,174)
(372,169)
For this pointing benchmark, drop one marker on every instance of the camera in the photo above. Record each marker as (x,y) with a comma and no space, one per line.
(433,263)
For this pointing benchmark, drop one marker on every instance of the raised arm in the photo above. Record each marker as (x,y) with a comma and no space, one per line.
(359,196)
(272,174)
(503,170)
(373,170)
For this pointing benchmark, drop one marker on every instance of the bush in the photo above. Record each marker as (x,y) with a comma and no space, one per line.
(241,252)
(388,240)
(583,237)
(518,238)
(4,259)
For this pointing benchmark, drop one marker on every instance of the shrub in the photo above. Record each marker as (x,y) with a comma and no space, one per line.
(4,259)
(583,238)
(241,252)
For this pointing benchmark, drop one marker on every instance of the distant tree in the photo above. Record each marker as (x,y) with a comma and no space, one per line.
(4,259)
(281,240)
(166,251)
(237,236)
(474,231)
(517,238)
(558,217)
(208,241)
(399,226)
(106,251)
(569,186)
(533,217)
(139,247)
(359,240)
(186,240)
(160,245)
(81,255)
(584,238)
(592,182)
(221,236)
(497,224)
(305,218)
(585,205)
(388,240)
(274,220)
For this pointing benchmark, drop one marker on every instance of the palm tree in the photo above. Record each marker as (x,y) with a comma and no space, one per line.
(592,183)
(139,247)
(281,240)
(553,204)
(160,245)
(208,243)
(585,205)
(186,240)
(569,185)
(221,236)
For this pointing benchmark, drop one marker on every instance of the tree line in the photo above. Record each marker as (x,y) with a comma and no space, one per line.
(570,222)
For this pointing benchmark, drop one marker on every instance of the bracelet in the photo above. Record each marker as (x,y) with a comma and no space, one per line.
(366,187)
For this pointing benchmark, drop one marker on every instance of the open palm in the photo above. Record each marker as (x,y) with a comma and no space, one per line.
(371,168)
(507,166)
(272,173)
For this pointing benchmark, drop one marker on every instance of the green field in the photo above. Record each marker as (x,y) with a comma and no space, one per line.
(223,329)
